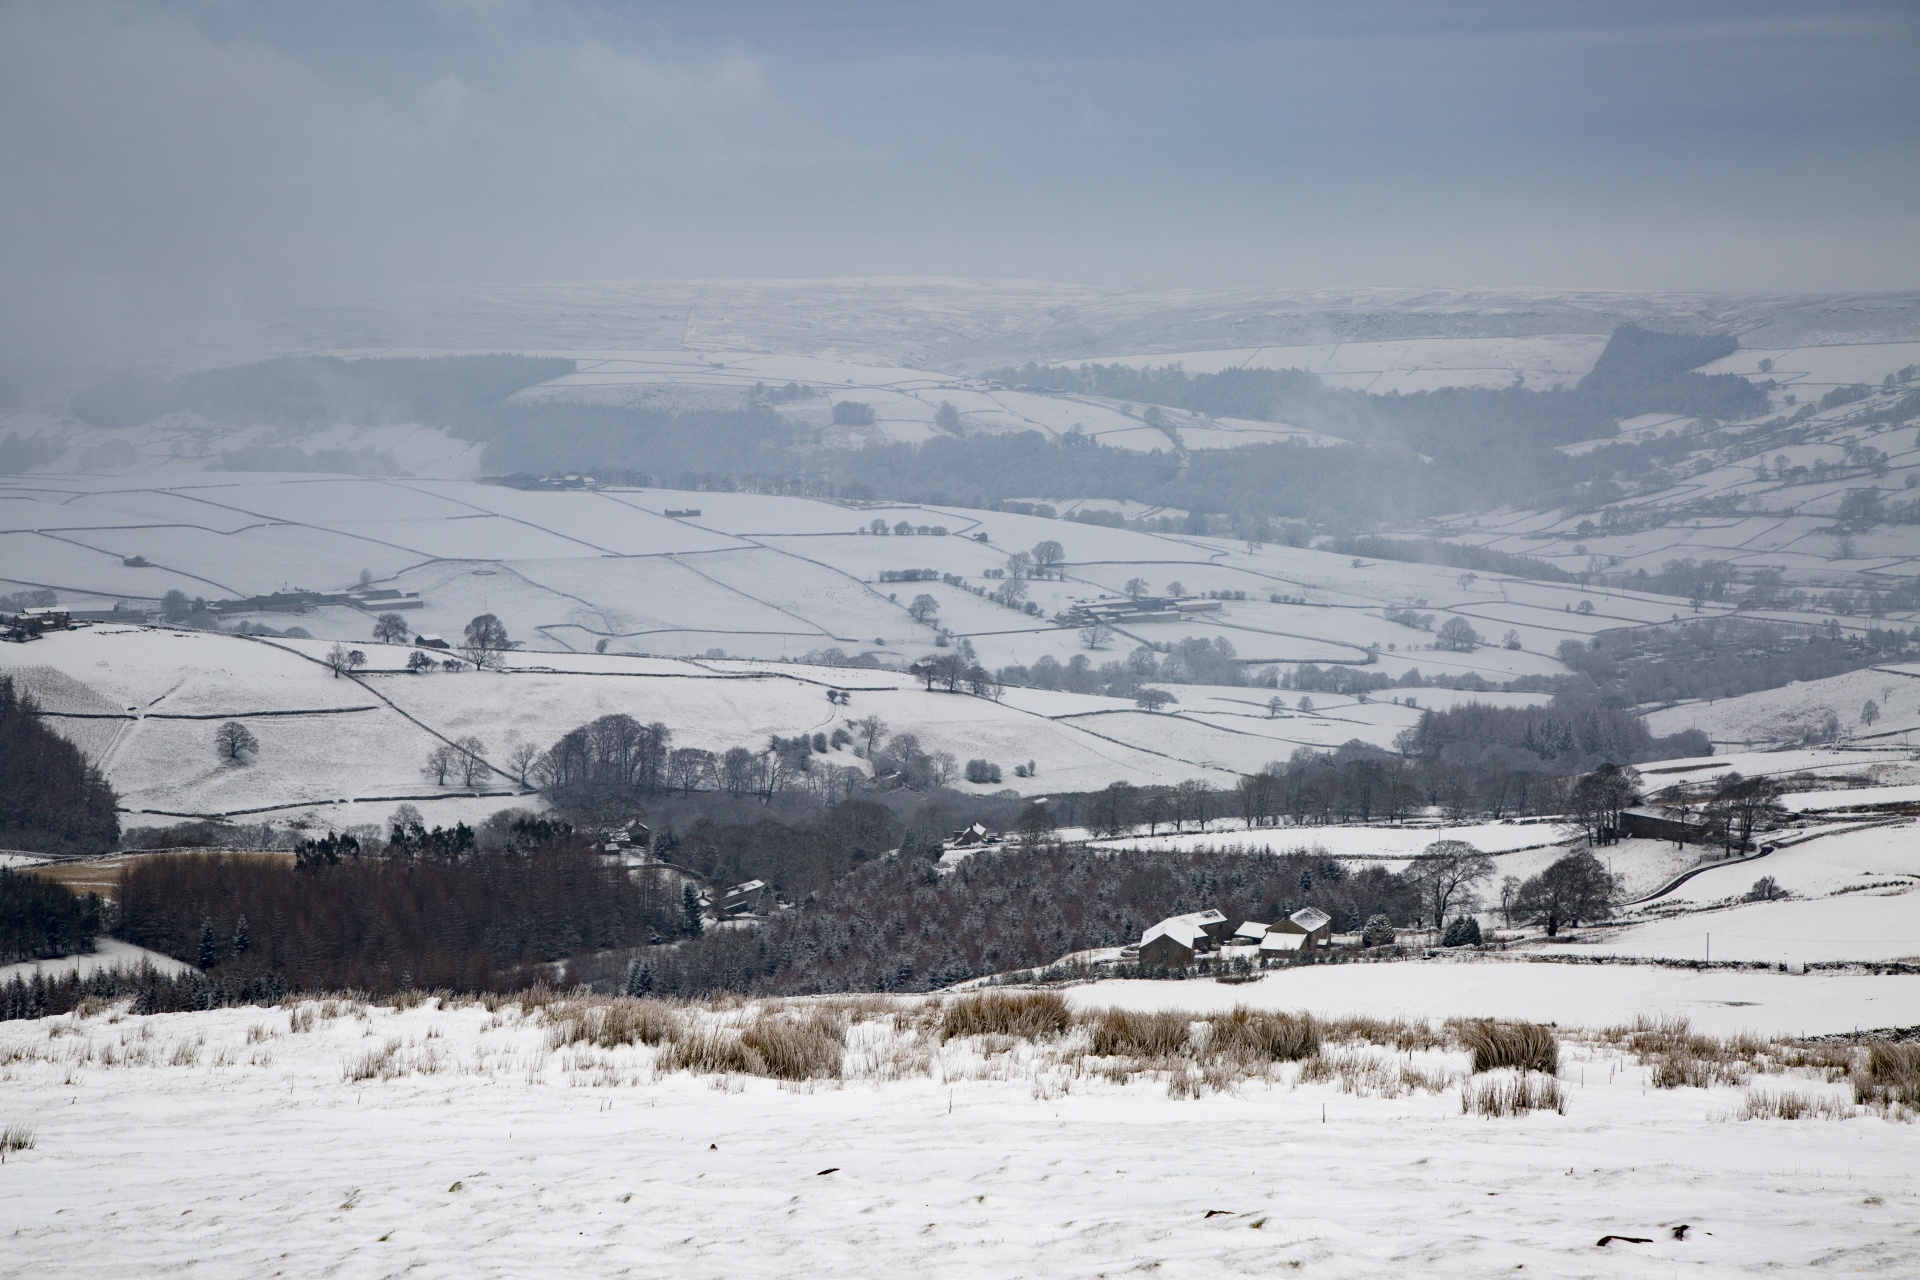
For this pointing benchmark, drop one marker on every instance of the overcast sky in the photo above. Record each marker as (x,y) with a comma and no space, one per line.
(216,149)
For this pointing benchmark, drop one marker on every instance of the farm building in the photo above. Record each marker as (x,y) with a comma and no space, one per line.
(1176,940)
(1678,825)
(744,899)
(1310,923)
(968,837)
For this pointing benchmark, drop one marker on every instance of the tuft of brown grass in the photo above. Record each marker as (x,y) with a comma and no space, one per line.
(808,1047)
(781,1046)
(1512,1094)
(1261,1036)
(1123,1033)
(1404,1034)
(374,1064)
(17,1137)
(1889,1078)
(1790,1105)
(1029,1015)
(1523,1046)
(606,1024)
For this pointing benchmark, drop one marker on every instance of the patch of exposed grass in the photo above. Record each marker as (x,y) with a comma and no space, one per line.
(1512,1093)
(606,1024)
(1889,1078)
(1123,1033)
(1030,1015)
(1262,1036)
(1522,1046)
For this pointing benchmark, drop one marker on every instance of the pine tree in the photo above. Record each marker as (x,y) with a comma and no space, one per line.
(209,948)
(690,907)
(240,939)
(639,977)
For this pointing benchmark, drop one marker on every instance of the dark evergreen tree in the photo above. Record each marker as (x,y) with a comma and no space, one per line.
(695,922)
(209,952)
(51,796)
(240,939)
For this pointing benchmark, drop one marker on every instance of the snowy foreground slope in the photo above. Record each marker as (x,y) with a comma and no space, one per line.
(237,1143)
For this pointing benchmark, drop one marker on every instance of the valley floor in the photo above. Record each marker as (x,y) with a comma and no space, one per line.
(236,1143)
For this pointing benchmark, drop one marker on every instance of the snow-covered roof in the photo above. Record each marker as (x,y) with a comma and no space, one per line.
(1283,942)
(1251,929)
(1180,928)
(1310,918)
(1204,917)
(751,886)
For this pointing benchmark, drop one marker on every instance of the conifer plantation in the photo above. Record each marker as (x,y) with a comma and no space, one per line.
(52,798)
(474,921)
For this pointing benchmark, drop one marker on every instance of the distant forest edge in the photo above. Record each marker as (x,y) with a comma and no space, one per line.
(1422,454)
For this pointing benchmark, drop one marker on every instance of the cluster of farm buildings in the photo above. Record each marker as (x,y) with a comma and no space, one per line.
(1178,941)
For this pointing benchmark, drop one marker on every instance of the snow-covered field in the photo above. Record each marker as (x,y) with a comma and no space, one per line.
(232,1143)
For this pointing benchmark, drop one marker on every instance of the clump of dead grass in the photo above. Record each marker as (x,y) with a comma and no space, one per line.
(1260,1036)
(1125,1033)
(16,1137)
(1889,1077)
(610,1023)
(1789,1104)
(1512,1093)
(1027,1015)
(1404,1034)
(779,1044)
(1522,1046)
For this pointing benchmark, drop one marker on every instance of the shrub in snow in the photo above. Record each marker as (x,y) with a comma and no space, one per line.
(1378,932)
(982,771)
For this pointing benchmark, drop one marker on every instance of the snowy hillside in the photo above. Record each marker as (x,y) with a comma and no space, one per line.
(463,1140)
(752,575)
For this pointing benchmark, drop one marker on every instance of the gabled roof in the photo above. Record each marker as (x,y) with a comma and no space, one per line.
(1203,917)
(1310,918)
(1251,929)
(751,886)
(1283,942)
(1179,928)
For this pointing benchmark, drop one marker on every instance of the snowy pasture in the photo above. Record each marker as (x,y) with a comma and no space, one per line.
(323,1138)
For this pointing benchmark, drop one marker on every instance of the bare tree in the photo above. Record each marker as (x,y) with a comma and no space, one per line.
(923,607)
(337,660)
(1446,873)
(869,730)
(471,756)
(1096,635)
(690,768)
(390,628)
(1575,888)
(1509,894)
(1869,713)
(1456,634)
(485,641)
(1048,556)
(1153,699)
(520,762)
(235,743)
(441,762)
(1135,588)
(1192,801)
(356,658)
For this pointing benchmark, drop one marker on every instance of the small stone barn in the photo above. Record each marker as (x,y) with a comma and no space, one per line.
(1315,924)
(1174,943)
